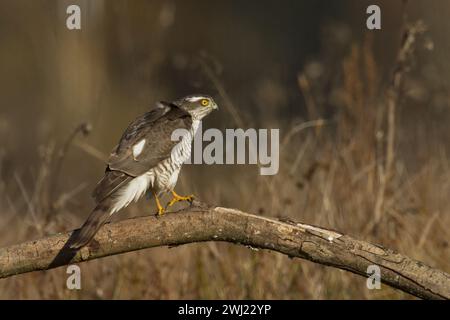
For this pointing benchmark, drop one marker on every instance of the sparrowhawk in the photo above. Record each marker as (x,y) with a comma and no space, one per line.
(146,160)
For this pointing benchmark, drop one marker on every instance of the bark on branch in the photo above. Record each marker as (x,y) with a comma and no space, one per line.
(202,223)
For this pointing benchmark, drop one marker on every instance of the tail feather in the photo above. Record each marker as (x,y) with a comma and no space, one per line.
(96,219)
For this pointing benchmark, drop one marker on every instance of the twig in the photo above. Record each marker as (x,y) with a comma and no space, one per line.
(223,93)
(386,172)
(92,151)
(305,88)
(427,229)
(300,127)
(85,129)
(28,201)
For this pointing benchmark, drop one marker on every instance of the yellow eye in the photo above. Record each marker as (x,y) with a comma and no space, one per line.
(204,102)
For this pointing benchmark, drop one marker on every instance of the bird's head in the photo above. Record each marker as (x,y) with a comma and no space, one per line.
(198,106)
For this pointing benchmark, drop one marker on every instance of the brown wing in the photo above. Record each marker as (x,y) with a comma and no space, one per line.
(111,182)
(156,127)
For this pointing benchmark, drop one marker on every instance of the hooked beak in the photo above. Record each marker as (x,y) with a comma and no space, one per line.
(215,106)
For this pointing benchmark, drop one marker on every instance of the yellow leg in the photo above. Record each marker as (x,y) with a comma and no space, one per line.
(159,206)
(177,198)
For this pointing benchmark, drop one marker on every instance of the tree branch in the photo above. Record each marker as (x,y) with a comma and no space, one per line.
(203,223)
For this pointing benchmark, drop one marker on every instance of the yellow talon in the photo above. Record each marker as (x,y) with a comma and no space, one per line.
(161,210)
(176,198)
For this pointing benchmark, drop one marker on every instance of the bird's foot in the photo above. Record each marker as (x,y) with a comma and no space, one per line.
(176,198)
(160,212)
(160,208)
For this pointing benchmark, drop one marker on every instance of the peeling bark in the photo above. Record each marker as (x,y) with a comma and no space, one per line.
(203,223)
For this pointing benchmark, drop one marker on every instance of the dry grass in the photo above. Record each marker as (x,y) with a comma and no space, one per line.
(334,178)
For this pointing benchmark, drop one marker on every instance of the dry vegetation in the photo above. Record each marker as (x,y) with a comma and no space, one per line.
(333,167)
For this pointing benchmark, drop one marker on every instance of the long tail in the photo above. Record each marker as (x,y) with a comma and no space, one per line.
(96,219)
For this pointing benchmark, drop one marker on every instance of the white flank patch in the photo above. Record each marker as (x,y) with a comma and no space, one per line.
(133,191)
(196,98)
(137,148)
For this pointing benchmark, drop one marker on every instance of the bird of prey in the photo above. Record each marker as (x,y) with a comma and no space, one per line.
(146,160)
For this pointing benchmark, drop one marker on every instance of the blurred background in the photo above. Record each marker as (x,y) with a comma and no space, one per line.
(309,68)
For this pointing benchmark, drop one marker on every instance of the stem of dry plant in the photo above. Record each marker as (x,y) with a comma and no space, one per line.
(85,129)
(392,99)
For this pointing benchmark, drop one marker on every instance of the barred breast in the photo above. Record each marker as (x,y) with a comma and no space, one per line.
(166,172)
